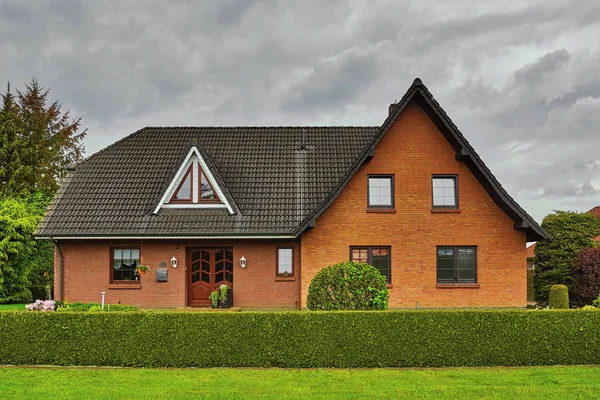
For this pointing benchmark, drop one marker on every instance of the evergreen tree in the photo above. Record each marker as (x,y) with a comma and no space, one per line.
(15,176)
(51,138)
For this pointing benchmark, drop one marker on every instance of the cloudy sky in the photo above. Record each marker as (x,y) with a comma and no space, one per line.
(520,79)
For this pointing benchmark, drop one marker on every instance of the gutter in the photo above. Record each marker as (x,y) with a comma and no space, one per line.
(164,237)
(61,269)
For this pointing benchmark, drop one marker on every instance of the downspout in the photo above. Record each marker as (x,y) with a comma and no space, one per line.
(61,269)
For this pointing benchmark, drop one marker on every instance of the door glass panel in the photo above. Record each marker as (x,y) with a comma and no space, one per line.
(205,262)
(195,278)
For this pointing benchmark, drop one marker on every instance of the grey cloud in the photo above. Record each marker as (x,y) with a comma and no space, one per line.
(521,80)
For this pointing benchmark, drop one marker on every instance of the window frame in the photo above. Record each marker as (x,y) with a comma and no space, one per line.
(455,260)
(456,198)
(281,275)
(112,264)
(370,257)
(216,200)
(189,172)
(392,189)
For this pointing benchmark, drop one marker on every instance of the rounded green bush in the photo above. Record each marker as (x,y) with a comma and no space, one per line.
(348,286)
(559,296)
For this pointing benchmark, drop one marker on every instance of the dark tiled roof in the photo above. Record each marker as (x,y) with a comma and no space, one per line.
(274,182)
(278,186)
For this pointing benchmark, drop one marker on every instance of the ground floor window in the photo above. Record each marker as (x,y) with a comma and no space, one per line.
(285,262)
(377,256)
(457,264)
(123,264)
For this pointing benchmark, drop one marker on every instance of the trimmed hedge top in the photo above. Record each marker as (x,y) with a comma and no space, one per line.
(302,339)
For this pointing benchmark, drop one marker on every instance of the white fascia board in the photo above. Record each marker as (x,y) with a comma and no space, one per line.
(212,180)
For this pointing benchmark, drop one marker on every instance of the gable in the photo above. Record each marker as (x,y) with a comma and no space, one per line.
(194,186)
(463,151)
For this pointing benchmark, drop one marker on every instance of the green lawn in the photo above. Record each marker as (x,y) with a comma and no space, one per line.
(573,382)
(12,307)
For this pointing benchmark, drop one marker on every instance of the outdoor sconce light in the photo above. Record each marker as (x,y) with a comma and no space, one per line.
(243,262)
(174,262)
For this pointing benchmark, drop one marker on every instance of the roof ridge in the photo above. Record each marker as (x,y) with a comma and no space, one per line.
(262,127)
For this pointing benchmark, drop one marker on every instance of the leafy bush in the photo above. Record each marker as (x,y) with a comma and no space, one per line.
(555,259)
(357,339)
(596,303)
(348,286)
(559,297)
(64,306)
(587,275)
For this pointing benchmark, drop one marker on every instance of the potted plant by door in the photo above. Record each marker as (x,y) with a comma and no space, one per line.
(141,269)
(214,299)
(225,296)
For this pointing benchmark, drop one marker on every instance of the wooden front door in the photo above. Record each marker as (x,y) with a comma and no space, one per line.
(208,268)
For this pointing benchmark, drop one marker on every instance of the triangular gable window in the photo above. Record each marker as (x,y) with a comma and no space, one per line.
(185,189)
(206,191)
(194,186)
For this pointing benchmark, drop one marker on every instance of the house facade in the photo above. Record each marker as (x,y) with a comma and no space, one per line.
(264,209)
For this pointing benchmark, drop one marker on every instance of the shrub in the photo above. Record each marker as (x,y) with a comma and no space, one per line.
(348,286)
(358,339)
(596,303)
(555,259)
(559,297)
(41,305)
(587,275)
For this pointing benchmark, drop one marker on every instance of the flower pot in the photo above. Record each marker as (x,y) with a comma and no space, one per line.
(141,272)
(229,300)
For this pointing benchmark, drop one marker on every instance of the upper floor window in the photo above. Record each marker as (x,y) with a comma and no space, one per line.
(123,264)
(445,191)
(380,191)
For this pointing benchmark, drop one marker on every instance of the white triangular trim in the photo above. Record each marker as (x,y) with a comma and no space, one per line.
(185,165)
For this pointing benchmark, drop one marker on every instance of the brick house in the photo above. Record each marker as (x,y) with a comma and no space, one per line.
(263,209)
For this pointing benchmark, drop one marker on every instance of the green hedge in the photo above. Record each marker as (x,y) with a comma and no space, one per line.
(302,339)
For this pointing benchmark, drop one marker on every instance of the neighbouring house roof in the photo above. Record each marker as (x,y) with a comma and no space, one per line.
(595,211)
(279,179)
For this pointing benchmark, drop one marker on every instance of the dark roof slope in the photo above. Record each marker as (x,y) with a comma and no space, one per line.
(274,181)
(279,185)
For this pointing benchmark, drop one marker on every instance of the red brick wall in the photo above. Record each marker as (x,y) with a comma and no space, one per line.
(413,150)
(87,273)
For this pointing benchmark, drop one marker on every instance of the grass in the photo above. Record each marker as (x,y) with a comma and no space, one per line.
(564,382)
(4,307)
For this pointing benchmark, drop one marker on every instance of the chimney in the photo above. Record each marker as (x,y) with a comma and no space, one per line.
(393,107)
(303,140)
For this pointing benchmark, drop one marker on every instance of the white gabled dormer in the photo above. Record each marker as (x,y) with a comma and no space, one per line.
(194,186)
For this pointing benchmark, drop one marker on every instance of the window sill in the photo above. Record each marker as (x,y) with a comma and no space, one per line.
(457,286)
(283,279)
(381,210)
(126,286)
(445,210)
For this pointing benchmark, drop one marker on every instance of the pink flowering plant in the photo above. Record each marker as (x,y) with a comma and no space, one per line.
(41,305)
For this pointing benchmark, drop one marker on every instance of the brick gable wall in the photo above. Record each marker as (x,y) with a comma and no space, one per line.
(413,150)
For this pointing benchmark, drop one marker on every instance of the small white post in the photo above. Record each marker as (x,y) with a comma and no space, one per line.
(103,293)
